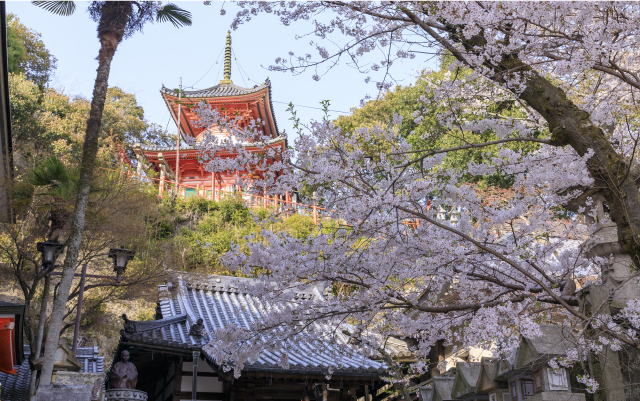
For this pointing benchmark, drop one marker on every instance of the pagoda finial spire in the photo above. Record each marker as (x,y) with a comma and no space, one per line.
(227,61)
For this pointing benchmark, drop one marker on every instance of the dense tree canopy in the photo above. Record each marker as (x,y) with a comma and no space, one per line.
(427,132)
(559,78)
(28,53)
(53,122)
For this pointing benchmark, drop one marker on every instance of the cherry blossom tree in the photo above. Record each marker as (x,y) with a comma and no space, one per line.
(422,252)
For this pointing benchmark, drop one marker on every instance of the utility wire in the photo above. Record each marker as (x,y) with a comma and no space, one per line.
(317,108)
(245,73)
(239,69)
(218,74)
(205,74)
(242,73)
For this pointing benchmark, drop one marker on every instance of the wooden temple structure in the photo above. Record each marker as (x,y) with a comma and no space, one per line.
(180,167)
(174,362)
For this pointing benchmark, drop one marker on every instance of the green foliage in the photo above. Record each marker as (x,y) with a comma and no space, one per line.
(16,52)
(63,8)
(298,226)
(174,14)
(428,134)
(198,230)
(36,62)
(59,180)
(145,314)
(47,121)
(25,100)
(51,122)
(124,119)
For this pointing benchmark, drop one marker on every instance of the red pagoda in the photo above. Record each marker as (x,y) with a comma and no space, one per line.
(180,165)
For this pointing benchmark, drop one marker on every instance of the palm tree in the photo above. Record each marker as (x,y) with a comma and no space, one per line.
(116,21)
(58,184)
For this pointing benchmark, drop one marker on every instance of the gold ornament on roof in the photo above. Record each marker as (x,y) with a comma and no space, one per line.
(227,61)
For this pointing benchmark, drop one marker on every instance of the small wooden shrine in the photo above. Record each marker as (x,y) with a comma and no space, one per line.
(182,165)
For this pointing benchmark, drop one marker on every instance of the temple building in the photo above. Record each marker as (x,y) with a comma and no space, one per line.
(173,363)
(181,165)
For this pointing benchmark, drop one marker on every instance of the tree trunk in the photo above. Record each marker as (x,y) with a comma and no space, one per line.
(568,125)
(572,126)
(37,349)
(114,17)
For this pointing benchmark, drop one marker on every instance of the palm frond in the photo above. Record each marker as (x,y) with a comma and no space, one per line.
(174,14)
(64,8)
(50,173)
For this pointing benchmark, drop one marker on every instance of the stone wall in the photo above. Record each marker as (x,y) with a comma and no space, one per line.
(93,382)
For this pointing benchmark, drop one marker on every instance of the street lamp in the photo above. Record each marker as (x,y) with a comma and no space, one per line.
(120,258)
(49,251)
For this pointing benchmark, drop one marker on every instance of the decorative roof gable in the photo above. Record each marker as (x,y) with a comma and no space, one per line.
(487,377)
(554,341)
(467,374)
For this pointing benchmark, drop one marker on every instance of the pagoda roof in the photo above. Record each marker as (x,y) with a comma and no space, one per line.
(230,96)
(220,90)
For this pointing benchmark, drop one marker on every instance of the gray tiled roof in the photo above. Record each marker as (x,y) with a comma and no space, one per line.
(217,301)
(90,360)
(218,90)
(16,387)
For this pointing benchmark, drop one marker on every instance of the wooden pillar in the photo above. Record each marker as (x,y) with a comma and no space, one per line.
(177,381)
(315,215)
(266,202)
(220,186)
(213,186)
(177,174)
(162,178)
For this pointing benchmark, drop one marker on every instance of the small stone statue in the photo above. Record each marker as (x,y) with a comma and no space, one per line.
(197,330)
(124,373)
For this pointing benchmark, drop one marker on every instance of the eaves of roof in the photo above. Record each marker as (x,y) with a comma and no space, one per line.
(221,90)
(219,303)
(154,148)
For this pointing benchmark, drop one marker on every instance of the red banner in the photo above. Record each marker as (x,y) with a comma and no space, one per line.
(7,346)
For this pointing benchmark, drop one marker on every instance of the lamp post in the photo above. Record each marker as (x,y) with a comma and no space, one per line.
(120,256)
(49,251)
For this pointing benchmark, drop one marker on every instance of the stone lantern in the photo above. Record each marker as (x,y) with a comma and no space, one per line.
(616,290)
(615,275)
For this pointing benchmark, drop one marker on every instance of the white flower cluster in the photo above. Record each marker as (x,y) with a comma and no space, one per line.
(398,266)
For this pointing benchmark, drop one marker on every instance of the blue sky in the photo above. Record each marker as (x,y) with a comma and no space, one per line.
(161,54)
